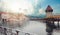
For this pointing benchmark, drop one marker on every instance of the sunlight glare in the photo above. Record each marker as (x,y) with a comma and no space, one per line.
(18,7)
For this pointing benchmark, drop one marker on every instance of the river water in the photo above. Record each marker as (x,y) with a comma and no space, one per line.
(34,28)
(38,28)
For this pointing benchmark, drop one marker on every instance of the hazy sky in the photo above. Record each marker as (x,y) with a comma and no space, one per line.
(29,7)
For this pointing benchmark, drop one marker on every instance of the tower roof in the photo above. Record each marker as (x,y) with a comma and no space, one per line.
(49,9)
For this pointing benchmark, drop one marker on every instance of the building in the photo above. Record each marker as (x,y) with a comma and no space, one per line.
(13,18)
(49,13)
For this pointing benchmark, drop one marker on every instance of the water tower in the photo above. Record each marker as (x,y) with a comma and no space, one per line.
(49,11)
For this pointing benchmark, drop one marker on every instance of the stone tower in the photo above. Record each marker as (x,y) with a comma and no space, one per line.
(49,11)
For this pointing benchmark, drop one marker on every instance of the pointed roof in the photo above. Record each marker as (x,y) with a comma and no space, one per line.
(49,9)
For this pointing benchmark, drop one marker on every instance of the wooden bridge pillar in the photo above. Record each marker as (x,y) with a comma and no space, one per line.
(58,25)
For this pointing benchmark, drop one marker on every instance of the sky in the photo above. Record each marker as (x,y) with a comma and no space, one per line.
(29,7)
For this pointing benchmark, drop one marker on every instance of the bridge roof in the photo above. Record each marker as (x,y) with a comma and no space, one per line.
(55,16)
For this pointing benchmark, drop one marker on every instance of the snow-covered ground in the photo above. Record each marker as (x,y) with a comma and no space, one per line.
(34,28)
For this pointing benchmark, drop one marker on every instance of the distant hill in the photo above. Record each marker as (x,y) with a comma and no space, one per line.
(40,16)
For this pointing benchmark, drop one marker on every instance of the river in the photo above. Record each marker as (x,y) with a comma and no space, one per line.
(34,28)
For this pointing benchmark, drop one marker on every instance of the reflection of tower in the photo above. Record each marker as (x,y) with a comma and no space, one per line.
(49,11)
